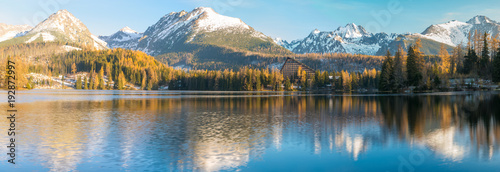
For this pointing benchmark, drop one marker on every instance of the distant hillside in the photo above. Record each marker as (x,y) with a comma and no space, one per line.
(59,27)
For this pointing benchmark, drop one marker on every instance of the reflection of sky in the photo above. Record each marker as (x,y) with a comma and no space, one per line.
(213,134)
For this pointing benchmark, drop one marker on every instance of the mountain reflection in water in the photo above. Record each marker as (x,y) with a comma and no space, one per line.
(266,132)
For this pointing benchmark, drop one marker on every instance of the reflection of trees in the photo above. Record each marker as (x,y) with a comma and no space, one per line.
(211,134)
(445,122)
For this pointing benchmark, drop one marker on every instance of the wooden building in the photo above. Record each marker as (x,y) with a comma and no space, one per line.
(291,67)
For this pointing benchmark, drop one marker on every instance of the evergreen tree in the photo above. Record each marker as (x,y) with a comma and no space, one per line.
(120,81)
(110,77)
(101,80)
(458,60)
(397,71)
(91,84)
(62,81)
(288,84)
(78,84)
(496,67)
(413,69)
(470,61)
(437,81)
(385,75)
(143,82)
(85,84)
(485,57)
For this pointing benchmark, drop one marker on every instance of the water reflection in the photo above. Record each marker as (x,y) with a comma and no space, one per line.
(246,133)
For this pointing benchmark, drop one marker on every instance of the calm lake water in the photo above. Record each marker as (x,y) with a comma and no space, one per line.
(60,130)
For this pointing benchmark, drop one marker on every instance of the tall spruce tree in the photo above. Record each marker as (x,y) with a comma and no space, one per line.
(101,85)
(91,82)
(413,69)
(470,61)
(485,57)
(397,70)
(78,84)
(121,81)
(85,84)
(496,67)
(386,73)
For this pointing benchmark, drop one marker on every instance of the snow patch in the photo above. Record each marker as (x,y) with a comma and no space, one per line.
(127,29)
(46,37)
(451,33)
(213,21)
(70,48)
(11,31)
(98,43)
(8,35)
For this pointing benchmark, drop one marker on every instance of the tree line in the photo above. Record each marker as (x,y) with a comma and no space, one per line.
(414,69)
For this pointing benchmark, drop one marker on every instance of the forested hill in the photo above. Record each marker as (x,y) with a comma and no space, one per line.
(119,65)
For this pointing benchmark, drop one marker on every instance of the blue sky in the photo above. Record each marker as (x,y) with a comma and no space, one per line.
(288,19)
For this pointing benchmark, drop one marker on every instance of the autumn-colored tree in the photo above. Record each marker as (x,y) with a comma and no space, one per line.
(73,68)
(445,60)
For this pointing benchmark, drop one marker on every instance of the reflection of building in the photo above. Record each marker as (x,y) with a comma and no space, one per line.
(291,67)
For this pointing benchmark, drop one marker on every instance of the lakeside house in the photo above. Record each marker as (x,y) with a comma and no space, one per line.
(291,66)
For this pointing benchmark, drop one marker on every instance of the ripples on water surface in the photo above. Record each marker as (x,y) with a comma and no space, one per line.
(61,130)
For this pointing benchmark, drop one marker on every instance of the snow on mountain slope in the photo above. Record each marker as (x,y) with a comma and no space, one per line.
(201,26)
(455,32)
(212,21)
(351,31)
(10,31)
(451,33)
(355,39)
(352,39)
(63,26)
(127,29)
(124,38)
(46,37)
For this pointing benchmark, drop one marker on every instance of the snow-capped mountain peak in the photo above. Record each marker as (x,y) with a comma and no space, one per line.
(452,33)
(62,21)
(355,39)
(125,38)
(351,38)
(456,32)
(315,31)
(209,20)
(481,20)
(127,29)
(67,27)
(179,28)
(351,30)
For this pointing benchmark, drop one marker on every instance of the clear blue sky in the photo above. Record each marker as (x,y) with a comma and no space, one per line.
(289,19)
